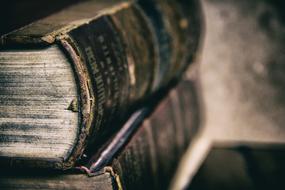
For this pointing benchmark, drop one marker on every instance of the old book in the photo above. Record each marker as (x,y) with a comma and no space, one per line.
(148,159)
(69,80)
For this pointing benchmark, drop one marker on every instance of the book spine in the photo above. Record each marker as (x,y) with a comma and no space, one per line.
(162,39)
(150,158)
(120,53)
(119,60)
(102,54)
(123,57)
(178,25)
(115,58)
(141,53)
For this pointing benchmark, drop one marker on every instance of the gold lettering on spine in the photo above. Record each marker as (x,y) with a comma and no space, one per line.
(101,96)
(111,76)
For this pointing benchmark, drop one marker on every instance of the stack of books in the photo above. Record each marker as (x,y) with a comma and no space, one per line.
(100,95)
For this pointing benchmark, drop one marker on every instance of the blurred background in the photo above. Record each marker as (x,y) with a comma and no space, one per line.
(242,73)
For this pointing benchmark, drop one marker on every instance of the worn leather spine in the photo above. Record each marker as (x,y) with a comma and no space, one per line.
(176,24)
(150,158)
